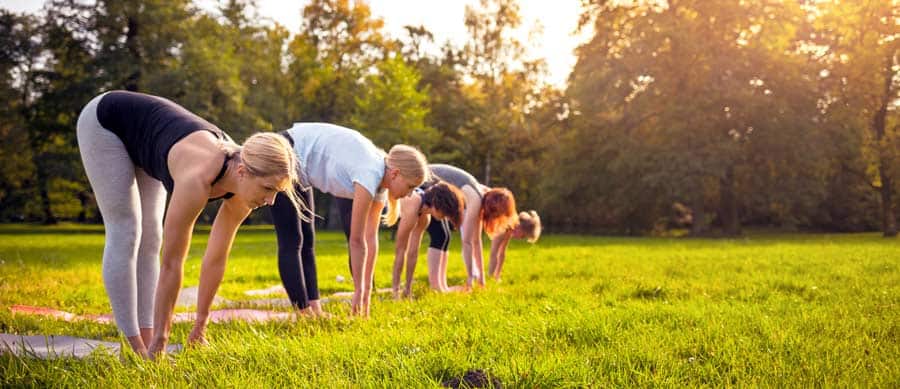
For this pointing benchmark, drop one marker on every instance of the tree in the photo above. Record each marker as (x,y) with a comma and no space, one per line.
(860,57)
(48,62)
(503,88)
(391,109)
(139,43)
(338,43)
(678,95)
(18,44)
(449,107)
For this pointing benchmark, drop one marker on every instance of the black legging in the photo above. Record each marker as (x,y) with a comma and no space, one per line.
(296,251)
(439,231)
(345,208)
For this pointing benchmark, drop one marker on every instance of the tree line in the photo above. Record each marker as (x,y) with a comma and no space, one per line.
(707,116)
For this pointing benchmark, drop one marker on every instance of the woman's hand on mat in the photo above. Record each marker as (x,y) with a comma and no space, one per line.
(198,337)
(157,348)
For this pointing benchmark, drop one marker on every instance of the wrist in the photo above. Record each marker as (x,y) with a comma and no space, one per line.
(159,341)
(201,321)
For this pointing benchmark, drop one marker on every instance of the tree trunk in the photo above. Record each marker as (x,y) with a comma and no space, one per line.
(728,211)
(487,170)
(83,200)
(133,81)
(698,216)
(888,220)
(43,183)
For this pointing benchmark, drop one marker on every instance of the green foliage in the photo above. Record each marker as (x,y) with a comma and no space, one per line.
(571,311)
(339,42)
(709,104)
(856,45)
(501,93)
(683,114)
(391,110)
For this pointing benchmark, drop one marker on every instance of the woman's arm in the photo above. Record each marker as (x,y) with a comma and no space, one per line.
(498,254)
(188,199)
(471,235)
(408,220)
(362,204)
(478,253)
(372,253)
(221,237)
(412,250)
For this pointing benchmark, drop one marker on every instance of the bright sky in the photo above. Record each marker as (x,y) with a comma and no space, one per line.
(444,18)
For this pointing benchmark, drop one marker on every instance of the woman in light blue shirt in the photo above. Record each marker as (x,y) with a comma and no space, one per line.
(344,163)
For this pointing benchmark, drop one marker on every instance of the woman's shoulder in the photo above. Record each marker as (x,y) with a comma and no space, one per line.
(200,153)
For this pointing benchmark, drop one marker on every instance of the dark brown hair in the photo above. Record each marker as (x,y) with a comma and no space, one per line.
(447,199)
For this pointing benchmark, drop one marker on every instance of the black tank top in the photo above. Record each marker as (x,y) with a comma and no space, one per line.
(149,126)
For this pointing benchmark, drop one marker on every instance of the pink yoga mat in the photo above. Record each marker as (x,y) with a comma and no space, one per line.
(217,316)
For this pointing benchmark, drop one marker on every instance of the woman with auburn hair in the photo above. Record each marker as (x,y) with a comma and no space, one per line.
(136,148)
(529,228)
(363,179)
(434,200)
(492,210)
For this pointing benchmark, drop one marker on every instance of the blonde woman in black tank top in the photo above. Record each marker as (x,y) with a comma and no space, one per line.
(135,148)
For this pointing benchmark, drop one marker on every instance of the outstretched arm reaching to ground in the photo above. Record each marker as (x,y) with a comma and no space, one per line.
(224,228)
(498,254)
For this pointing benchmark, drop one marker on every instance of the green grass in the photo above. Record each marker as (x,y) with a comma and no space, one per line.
(768,310)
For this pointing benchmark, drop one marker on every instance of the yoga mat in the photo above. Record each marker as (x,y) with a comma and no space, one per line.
(217,316)
(274,289)
(56,346)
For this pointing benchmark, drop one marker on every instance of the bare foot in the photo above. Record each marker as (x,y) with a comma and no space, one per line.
(307,312)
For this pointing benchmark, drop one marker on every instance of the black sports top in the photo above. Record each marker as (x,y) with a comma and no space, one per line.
(219,176)
(149,126)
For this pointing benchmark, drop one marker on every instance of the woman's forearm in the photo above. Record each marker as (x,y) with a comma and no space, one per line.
(358,255)
(166,295)
(170,277)
(399,260)
(478,258)
(211,275)
(499,267)
(212,271)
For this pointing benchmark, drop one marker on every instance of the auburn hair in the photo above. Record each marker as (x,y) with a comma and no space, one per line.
(498,211)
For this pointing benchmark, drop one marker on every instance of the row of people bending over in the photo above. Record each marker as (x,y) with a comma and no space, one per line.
(137,148)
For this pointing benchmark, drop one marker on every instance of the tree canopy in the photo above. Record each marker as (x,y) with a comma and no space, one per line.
(707,116)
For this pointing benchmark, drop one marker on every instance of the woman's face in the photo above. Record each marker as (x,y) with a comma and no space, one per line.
(260,191)
(398,186)
(518,232)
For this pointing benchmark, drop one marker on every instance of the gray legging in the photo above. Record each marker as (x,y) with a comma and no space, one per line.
(132,205)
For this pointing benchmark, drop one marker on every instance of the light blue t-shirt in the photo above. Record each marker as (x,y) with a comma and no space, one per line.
(332,158)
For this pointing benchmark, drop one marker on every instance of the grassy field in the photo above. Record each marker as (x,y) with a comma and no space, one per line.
(770,310)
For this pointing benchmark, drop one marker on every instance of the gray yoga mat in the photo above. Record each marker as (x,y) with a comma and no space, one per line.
(54,346)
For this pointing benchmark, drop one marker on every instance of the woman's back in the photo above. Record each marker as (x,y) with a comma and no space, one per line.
(333,158)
